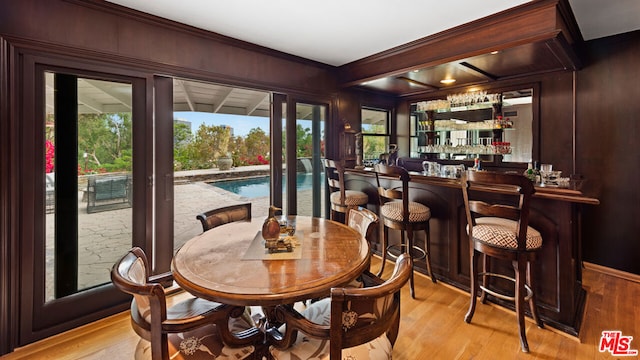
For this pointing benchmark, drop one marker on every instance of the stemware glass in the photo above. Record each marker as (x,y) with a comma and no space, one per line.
(545,169)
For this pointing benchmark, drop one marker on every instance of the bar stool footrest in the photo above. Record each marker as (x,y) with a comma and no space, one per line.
(416,253)
(501,295)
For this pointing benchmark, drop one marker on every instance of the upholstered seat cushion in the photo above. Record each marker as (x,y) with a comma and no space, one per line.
(351,198)
(202,343)
(417,212)
(182,310)
(502,233)
(319,312)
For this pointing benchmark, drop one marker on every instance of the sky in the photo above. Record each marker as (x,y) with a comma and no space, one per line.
(241,124)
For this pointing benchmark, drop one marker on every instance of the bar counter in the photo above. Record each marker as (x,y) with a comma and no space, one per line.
(555,212)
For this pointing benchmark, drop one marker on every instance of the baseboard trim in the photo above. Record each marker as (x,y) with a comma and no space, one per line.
(612,272)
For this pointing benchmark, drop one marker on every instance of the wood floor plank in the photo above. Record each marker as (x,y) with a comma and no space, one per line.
(432,327)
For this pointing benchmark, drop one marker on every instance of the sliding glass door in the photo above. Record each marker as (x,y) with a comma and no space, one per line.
(303,140)
(98,158)
(79,192)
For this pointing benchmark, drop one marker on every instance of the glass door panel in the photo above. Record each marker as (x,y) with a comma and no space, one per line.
(310,140)
(297,150)
(88,182)
(212,122)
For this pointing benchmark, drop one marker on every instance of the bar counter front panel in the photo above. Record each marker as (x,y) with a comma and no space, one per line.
(554,212)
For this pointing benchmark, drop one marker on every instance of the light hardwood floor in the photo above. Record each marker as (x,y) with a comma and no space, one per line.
(432,327)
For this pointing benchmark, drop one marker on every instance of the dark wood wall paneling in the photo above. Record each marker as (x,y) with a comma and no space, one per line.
(556,118)
(608,149)
(7,243)
(349,106)
(122,35)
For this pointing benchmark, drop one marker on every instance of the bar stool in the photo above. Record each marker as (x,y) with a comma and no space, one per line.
(341,199)
(398,213)
(498,228)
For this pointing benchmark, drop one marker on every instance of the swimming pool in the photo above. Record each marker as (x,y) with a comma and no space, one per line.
(259,186)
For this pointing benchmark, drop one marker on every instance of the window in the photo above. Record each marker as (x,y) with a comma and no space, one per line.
(375,133)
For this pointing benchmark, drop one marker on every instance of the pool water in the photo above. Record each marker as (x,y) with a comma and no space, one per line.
(259,186)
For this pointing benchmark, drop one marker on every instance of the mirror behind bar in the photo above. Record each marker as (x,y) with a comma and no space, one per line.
(478,130)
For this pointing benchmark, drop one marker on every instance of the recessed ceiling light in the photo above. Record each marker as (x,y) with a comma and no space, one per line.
(448,81)
(494,52)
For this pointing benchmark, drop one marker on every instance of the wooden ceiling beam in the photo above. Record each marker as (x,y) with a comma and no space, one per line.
(418,83)
(535,21)
(475,70)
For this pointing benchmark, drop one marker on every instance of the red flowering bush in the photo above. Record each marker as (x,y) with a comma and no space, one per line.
(262,160)
(49,155)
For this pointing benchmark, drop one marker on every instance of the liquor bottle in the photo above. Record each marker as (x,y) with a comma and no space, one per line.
(529,172)
(536,172)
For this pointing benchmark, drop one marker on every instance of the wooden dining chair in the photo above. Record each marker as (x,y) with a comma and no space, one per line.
(341,199)
(351,324)
(365,222)
(192,326)
(224,215)
(498,227)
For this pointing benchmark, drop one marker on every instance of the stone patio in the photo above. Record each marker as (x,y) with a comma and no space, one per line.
(105,236)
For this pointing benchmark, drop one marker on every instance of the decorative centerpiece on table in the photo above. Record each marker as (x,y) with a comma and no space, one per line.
(278,235)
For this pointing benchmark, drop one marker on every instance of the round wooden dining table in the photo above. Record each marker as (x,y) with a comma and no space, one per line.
(229,263)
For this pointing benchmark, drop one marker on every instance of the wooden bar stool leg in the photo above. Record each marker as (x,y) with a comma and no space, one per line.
(474,284)
(409,248)
(532,300)
(485,279)
(385,241)
(427,247)
(520,270)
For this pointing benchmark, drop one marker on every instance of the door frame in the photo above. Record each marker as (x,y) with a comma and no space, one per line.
(37,318)
(291,102)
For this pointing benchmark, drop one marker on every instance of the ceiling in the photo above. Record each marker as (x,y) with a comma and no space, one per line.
(325,31)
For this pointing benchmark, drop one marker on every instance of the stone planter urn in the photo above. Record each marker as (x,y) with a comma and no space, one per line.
(224,163)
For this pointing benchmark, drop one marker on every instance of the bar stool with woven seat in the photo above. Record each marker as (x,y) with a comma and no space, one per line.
(497,210)
(398,213)
(341,199)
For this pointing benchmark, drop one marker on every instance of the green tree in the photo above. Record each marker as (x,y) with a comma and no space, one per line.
(372,145)
(107,140)
(182,139)
(257,145)
(210,143)
(239,151)
(304,142)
